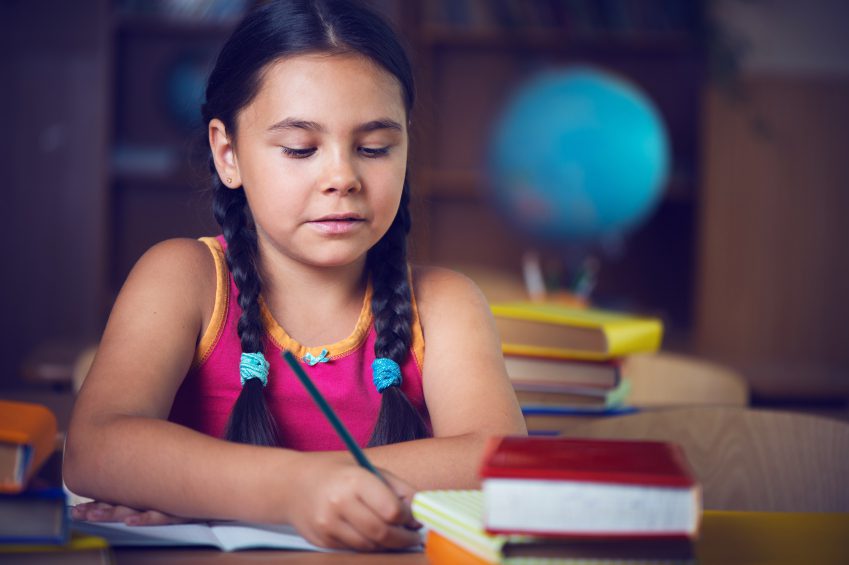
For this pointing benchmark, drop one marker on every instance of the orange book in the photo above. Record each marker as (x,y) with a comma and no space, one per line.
(441,551)
(27,438)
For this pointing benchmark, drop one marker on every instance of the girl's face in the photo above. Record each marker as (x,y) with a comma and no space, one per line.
(321,152)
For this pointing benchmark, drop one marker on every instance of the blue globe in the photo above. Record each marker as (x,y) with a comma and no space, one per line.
(578,154)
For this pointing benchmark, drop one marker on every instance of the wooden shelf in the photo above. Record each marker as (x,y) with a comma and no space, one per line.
(452,184)
(556,39)
(159,165)
(149,24)
(470,185)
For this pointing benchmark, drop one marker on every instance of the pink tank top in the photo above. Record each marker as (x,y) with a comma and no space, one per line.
(206,396)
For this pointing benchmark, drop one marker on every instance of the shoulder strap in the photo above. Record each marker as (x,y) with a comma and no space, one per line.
(222,292)
(417,344)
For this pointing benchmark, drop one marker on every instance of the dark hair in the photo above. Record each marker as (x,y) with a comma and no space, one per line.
(278,29)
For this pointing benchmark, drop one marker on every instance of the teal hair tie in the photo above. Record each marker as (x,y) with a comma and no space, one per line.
(312,360)
(386,373)
(253,366)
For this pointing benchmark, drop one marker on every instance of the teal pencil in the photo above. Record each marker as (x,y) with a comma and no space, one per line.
(331,415)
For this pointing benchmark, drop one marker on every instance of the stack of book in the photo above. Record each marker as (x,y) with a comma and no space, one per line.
(566,361)
(560,500)
(33,517)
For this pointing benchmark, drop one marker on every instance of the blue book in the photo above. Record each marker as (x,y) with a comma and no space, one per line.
(34,517)
(542,410)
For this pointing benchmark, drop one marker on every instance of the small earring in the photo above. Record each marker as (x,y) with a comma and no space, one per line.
(229,180)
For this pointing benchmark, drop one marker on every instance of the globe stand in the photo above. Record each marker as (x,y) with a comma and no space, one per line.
(577,293)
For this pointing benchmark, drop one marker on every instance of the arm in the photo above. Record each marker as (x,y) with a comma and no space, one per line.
(468,394)
(121,449)
(119,445)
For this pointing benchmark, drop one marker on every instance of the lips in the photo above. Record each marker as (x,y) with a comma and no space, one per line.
(337,224)
(340,218)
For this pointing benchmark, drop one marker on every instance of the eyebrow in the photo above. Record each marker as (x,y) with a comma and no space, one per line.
(293,123)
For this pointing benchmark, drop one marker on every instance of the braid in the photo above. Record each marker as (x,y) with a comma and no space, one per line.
(271,31)
(392,309)
(250,420)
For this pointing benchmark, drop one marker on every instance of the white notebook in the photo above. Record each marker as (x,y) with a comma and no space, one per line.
(227,536)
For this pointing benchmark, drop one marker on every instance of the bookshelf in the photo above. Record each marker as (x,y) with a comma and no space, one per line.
(471,55)
(157,179)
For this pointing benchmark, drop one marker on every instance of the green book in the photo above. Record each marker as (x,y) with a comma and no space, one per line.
(456,515)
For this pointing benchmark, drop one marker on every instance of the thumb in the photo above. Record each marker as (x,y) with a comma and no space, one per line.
(405,492)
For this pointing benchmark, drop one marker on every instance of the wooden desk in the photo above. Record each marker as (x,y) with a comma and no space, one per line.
(260,557)
(727,538)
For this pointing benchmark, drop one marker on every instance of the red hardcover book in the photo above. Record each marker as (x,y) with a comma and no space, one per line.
(588,487)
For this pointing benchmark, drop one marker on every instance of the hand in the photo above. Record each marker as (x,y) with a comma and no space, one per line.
(105,512)
(343,506)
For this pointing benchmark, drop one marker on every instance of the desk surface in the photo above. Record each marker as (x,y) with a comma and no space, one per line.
(726,538)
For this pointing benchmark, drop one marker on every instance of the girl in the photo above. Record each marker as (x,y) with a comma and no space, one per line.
(308,110)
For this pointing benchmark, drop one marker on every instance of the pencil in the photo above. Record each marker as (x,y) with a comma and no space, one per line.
(331,415)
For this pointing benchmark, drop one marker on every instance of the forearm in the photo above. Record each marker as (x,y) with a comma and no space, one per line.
(434,463)
(154,464)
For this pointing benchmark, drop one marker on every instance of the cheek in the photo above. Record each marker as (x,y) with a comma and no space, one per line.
(389,205)
(390,196)
(264,166)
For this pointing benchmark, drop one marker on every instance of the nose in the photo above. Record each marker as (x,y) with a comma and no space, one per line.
(341,176)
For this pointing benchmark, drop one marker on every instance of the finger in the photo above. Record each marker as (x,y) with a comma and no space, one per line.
(152,518)
(402,537)
(344,536)
(83,509)
(402,488)
(80,511)
(104,512)
(374,528)
(395,511)
(405,491)
(383,500)
(99,505)
(119,513)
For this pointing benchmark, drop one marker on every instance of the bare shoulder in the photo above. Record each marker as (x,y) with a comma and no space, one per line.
(181,255)
(439,290)
(464,380)
(177,274)
(175,262)
(151,336)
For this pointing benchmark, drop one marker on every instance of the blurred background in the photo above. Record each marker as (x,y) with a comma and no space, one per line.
(738,241)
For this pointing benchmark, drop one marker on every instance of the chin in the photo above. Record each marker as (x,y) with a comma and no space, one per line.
(332,260)
(339,253)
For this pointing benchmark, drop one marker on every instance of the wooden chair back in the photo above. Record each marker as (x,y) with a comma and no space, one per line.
(669,379)
(747,459)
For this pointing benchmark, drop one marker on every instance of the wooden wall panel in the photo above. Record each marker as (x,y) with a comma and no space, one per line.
(54,67)
(774,263)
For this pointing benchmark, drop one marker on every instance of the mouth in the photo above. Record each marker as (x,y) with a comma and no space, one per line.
(340,218)
(337,224)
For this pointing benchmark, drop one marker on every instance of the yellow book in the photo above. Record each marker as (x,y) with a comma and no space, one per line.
(557,331)
(81,549)
(726,538)
(777,538)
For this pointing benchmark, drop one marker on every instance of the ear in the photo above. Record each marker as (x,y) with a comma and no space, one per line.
(224,154)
